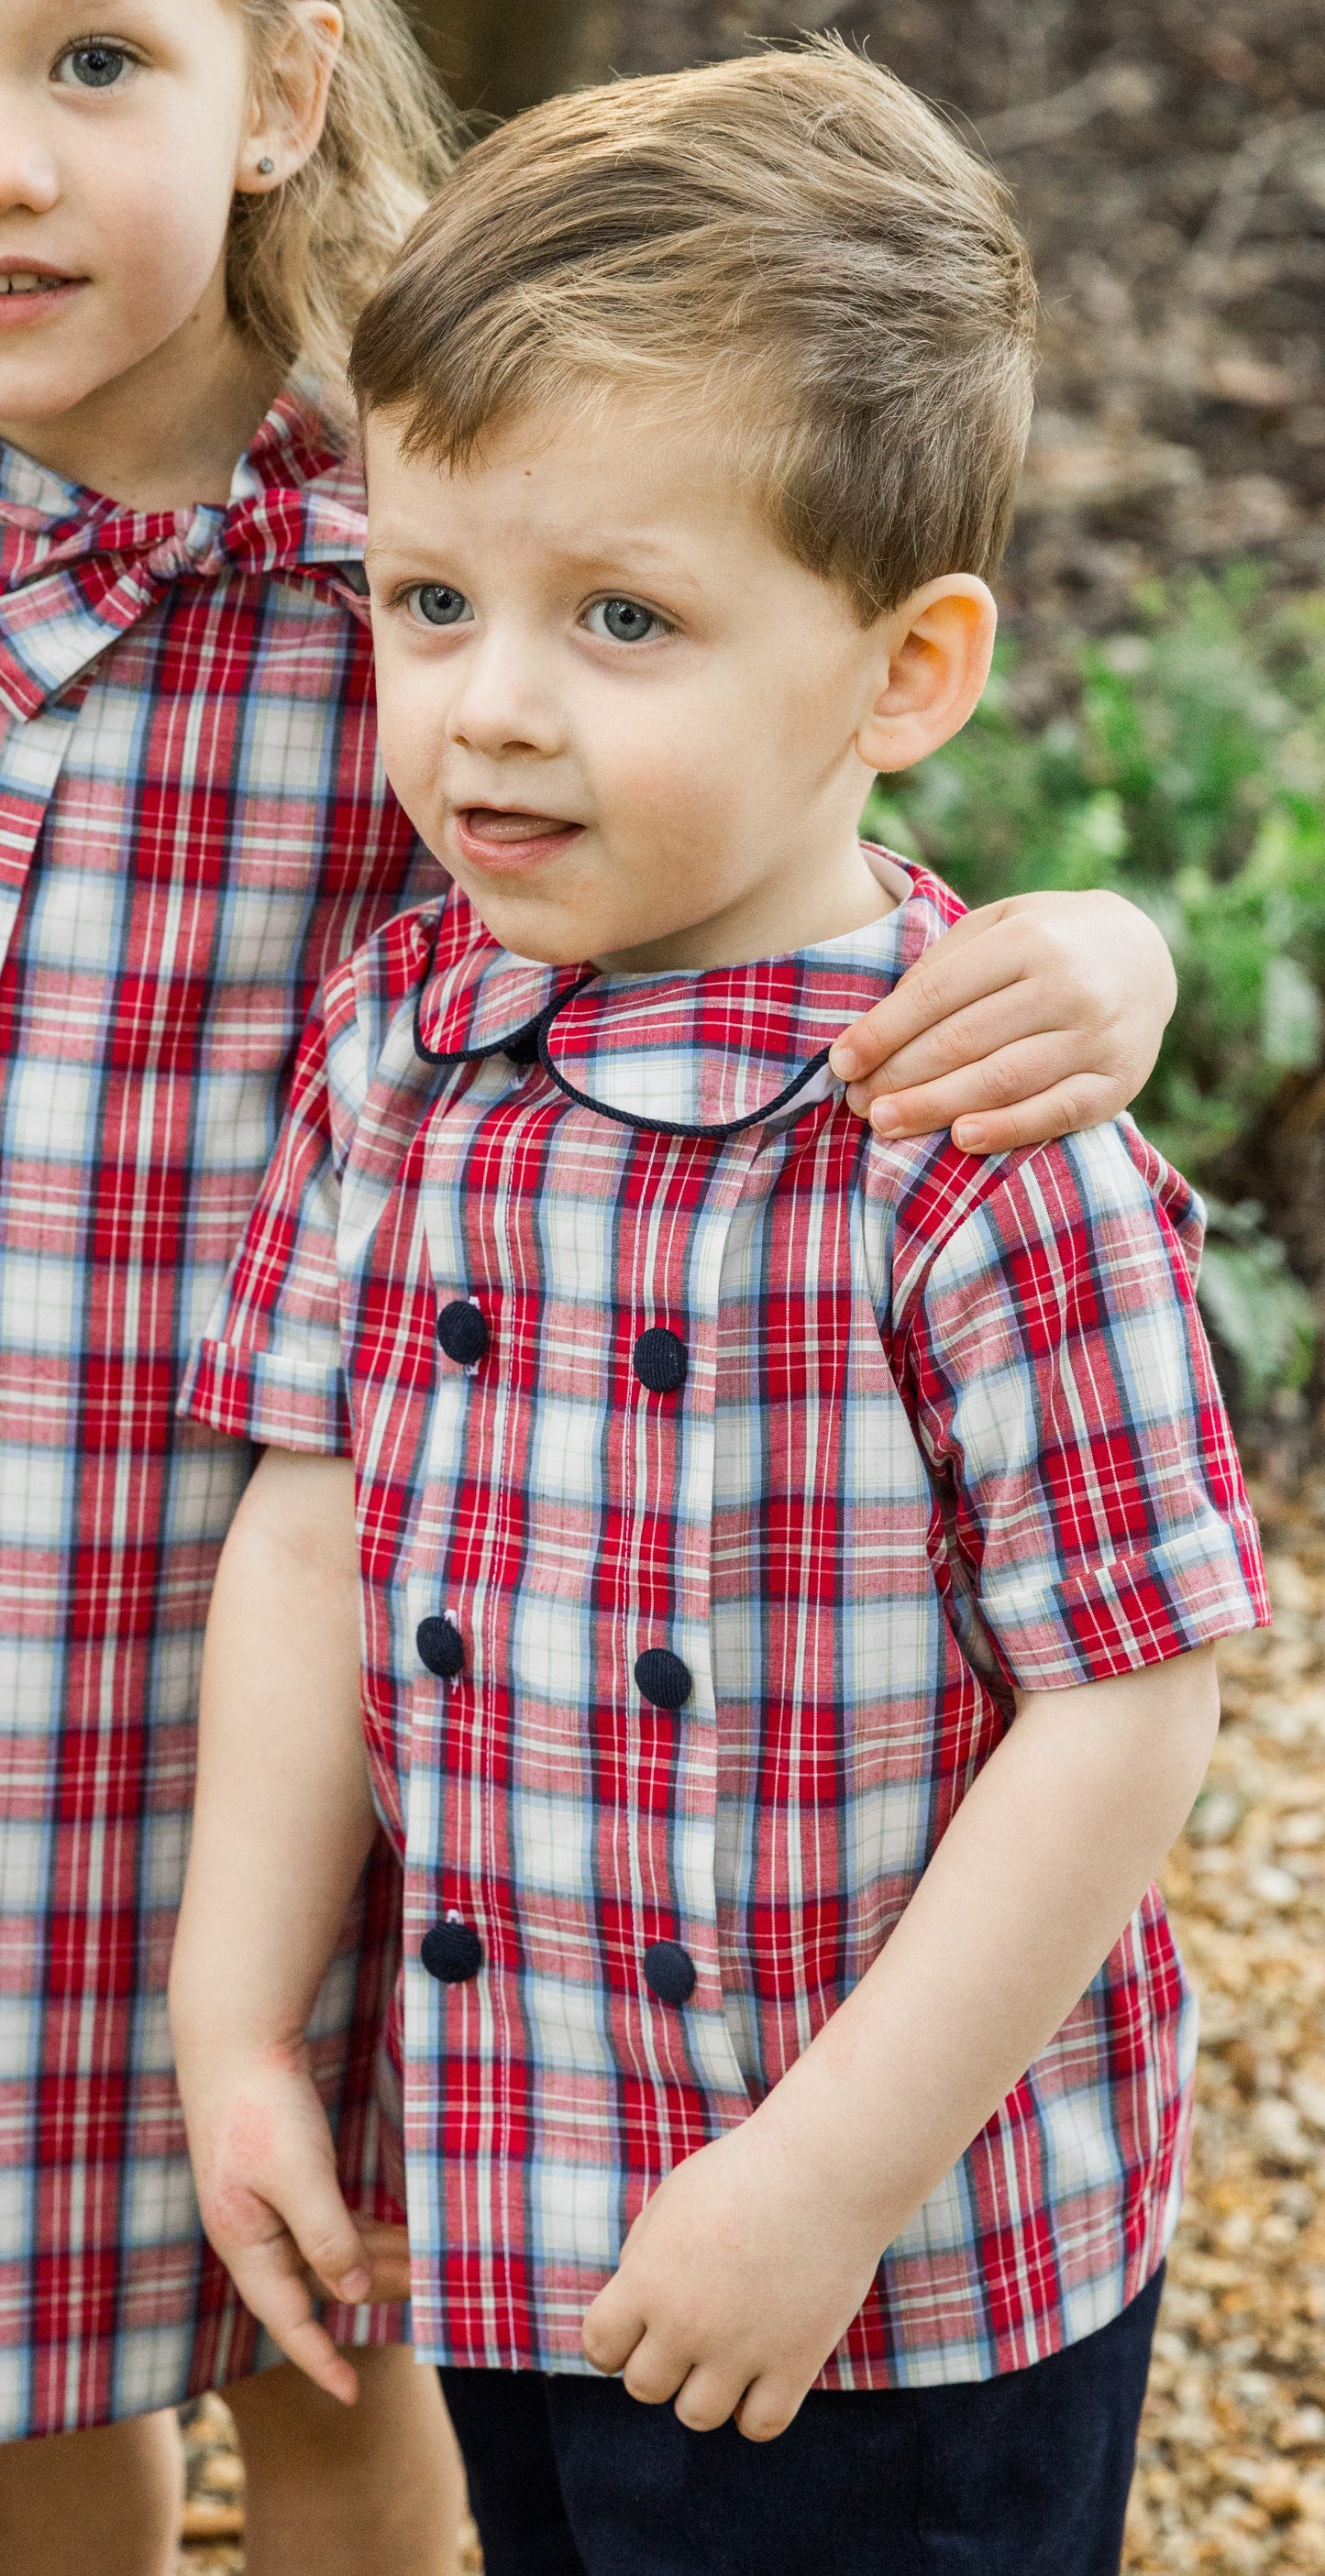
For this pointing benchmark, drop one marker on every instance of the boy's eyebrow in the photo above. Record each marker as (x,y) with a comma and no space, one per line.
(609,555)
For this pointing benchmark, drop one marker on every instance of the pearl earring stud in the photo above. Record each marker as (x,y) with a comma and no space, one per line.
(266,166)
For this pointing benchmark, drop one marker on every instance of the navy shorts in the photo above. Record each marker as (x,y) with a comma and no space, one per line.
(1027,2475)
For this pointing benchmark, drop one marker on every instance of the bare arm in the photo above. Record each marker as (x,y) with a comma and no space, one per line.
(1029,1018)
(282,1827)
(1037,1876)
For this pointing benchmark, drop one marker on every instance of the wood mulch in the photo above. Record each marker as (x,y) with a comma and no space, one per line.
(1231,2477)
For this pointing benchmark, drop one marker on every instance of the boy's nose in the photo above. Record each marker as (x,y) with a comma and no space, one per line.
(501,705)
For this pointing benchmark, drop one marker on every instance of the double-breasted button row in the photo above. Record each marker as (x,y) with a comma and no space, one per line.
(659,1357)
(661,1677)
(453,1953)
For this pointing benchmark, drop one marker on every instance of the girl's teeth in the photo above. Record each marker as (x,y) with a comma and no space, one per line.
(22,282)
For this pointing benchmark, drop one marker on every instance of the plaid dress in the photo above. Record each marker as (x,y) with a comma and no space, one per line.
(193,825)
(722,1472)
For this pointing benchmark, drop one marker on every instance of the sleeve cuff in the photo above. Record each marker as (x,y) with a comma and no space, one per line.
(282,1403)
(1141,1608)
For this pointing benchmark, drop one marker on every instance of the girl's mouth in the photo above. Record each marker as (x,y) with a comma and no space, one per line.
(505,843)
(30,294)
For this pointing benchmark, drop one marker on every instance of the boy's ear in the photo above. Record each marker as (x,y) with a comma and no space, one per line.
(290,97)
(936,653)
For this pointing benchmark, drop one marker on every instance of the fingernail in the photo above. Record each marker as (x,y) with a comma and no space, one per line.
(845,1062)
(968,1135)
(355,2285)
(884,1119)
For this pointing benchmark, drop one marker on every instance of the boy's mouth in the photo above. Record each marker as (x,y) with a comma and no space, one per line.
(503,842)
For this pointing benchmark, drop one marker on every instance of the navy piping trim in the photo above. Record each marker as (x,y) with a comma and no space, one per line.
(497,1046)
(542,1022)
(665,1126)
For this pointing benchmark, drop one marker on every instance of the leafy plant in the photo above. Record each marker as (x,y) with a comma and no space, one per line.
(1189,773)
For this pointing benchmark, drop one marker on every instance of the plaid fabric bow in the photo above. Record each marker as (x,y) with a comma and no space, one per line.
(77,570)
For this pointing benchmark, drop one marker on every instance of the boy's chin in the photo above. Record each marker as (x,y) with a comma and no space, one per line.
(531,930)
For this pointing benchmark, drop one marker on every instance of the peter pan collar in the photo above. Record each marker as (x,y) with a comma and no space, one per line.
(704,1053)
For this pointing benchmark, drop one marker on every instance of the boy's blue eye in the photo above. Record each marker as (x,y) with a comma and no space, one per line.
(624,621)
(94,65)
(438,605)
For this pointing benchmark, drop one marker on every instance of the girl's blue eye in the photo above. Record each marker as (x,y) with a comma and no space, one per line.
(438,605)
(624,621)
(94,65)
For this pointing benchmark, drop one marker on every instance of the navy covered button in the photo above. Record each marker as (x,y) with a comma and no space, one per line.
(441,1647)
(462,1332)
(669,1971)
(660,1360)
(662,1678)
(452,1952)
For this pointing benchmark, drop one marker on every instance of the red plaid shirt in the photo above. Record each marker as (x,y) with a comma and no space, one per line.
(193,825)
(722,1473)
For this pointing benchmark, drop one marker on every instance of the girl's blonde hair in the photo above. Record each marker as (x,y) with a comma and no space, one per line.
(304,261)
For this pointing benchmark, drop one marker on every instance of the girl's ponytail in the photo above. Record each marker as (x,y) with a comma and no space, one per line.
(304,261)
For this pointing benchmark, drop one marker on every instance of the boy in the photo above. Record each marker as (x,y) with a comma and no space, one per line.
(789,1559)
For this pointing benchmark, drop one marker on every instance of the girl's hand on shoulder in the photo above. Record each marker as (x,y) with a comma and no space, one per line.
(1029,1018)
(738,2279)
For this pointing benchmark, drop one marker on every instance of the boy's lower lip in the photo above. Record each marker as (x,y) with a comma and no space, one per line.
(505,844)
(39,303)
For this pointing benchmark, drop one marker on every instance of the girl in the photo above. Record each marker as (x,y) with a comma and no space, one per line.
(194,203)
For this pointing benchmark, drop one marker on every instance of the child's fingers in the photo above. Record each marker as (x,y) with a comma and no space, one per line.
(656,2370)
(269,2279)
(969,962)
(1010,1093)
(708,2397)
(612,2328)
(330,2242)
(386,2248)
(311,2349)
(767,2408)
(1060,1111)
(1021,1014)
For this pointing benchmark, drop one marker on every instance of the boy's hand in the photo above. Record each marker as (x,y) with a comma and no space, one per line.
(737,2280)
(272,2206)
(1027,1019)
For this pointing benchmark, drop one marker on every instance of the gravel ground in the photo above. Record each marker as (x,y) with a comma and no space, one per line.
(1232,2469)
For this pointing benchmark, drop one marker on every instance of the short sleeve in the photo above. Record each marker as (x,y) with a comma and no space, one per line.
(1061,1386)
(268,1367)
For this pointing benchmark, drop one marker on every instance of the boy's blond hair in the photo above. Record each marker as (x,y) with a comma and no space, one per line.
(793,246)
(303,261)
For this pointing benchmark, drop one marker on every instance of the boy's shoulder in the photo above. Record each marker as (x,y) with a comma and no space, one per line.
(1090,1203)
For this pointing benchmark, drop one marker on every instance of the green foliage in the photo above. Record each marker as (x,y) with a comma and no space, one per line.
(1261,1313)
(1190,775)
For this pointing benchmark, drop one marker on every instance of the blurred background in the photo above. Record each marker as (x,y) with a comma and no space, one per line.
(1158,724)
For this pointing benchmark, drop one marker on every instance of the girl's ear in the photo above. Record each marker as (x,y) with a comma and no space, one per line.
(935,655)
(290,93)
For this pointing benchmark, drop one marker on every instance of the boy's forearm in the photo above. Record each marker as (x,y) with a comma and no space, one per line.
(1036,1878)
(283,1819)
